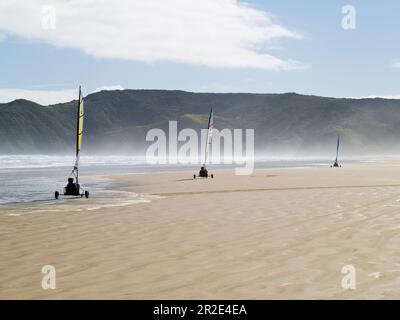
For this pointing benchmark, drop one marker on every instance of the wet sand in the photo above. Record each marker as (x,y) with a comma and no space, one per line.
(279,233)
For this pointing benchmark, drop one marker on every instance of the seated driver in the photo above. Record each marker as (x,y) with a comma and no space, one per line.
(203,172)
(71,187)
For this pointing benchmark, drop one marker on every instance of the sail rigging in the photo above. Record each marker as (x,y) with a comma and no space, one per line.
(79,132)
(209,136)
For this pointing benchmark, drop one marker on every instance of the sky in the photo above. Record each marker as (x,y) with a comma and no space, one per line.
(50,47)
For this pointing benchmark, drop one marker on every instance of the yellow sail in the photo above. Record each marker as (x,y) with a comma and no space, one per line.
(79,128)
(80,123)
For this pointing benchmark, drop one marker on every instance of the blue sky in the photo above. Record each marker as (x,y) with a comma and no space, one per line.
(327,60)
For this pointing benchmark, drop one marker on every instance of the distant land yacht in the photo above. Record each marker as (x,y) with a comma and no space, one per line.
(336,164)
(203,173)
(73,188)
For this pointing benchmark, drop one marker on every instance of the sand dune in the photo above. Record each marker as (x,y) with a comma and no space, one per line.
(282,233)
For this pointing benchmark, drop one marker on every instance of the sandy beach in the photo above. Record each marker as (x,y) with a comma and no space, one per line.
(277,234)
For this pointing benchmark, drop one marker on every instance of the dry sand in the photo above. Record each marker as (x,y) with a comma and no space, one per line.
(282,233)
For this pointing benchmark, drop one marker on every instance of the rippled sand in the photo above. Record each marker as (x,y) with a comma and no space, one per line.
(276,234)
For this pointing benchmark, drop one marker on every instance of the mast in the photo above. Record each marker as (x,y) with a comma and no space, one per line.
(337,147)
(79,132)
(209,135)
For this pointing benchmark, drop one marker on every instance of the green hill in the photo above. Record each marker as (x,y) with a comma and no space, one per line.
(117,121)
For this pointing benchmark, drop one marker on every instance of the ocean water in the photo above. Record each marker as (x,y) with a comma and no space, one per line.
(35,178)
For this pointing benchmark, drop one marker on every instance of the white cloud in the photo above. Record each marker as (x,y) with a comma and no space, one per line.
(215,33)
(44,97)
(378,96)
(109,88)
(395,64)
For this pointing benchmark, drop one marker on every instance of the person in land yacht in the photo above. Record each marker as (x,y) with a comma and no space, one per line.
(72,189)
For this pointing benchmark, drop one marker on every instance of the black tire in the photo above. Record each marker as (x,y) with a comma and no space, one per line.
(194,176)
(87,194)
(56,195)
(212,176)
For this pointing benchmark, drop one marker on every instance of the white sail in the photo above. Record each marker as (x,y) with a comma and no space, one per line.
(209,136)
